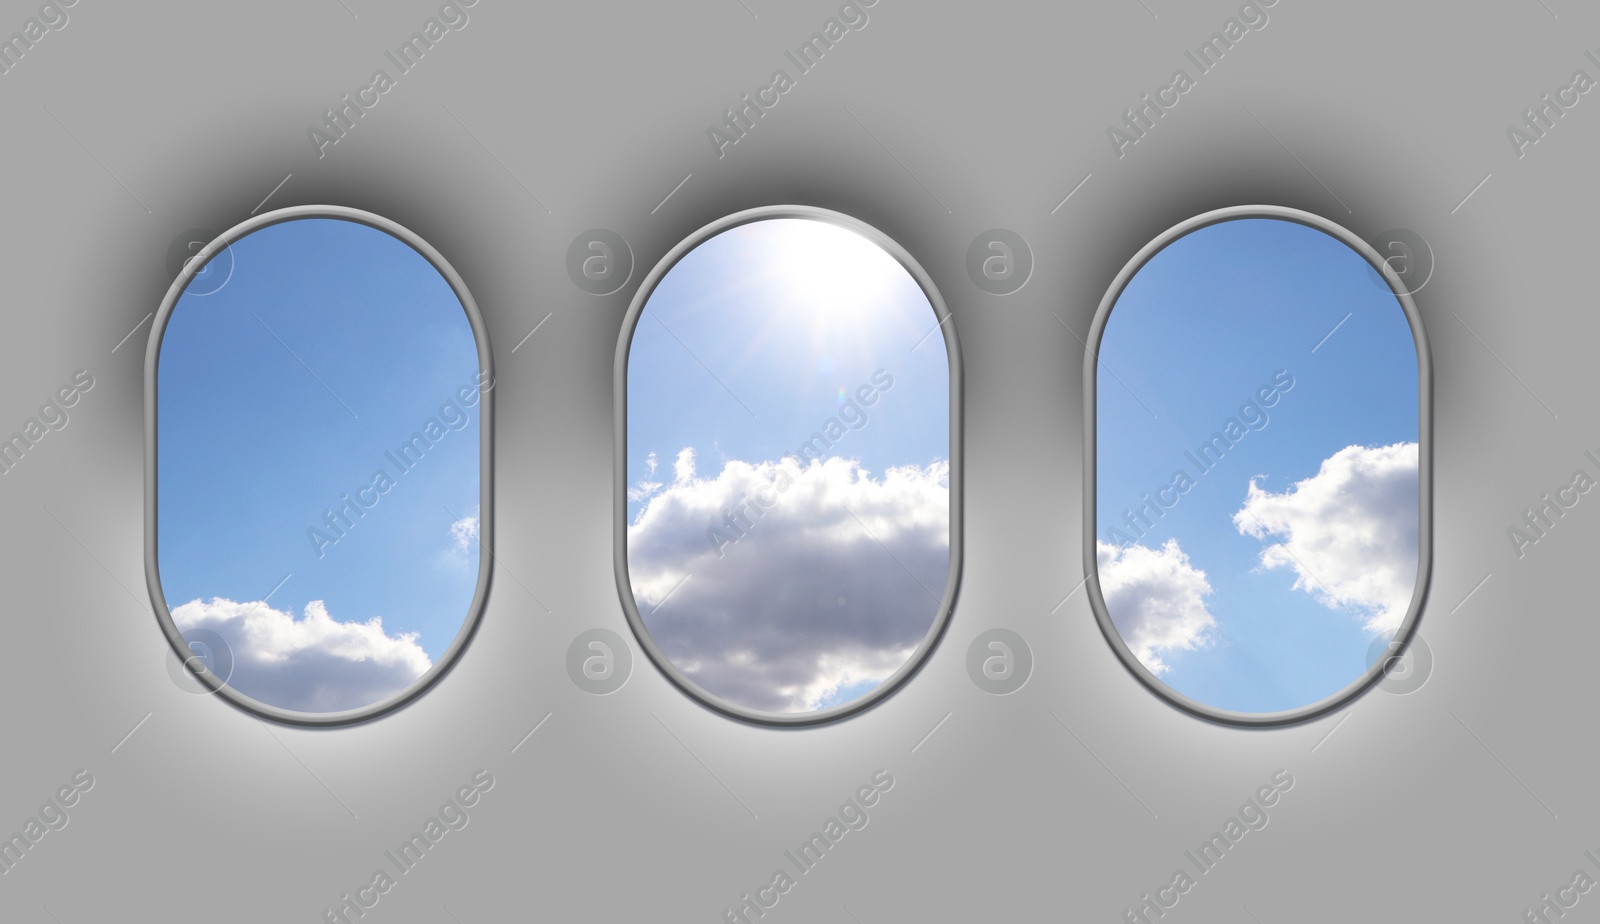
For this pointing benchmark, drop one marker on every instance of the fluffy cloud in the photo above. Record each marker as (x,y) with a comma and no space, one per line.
(683,469)
(1349,532)
(768,585)
(1155,598)
(314,664)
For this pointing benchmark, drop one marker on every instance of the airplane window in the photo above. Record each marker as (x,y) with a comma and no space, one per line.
(1257,389)
(789,488)
(319,465)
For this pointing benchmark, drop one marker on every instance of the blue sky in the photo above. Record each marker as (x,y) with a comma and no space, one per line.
(746,347)
(787,339)
(1204,324)
(258,437)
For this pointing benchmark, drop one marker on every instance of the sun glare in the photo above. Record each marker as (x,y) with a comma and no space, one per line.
(833,274)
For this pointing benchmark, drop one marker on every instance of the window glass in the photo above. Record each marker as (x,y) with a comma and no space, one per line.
(319,428)
(789,477)
(1258,468)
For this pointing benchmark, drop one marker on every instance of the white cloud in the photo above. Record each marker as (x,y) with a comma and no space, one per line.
(1349,532)
(314,664)
(805,601)
(646,487)
(465,533)
(1155,598)
(683,469)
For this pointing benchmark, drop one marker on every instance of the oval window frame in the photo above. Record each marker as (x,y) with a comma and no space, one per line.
(1376,671)
(947,604)
(480,335)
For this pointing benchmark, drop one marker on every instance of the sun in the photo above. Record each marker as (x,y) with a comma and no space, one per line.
(836,277)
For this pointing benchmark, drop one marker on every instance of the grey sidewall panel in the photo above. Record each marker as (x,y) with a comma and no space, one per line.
(1069,797)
